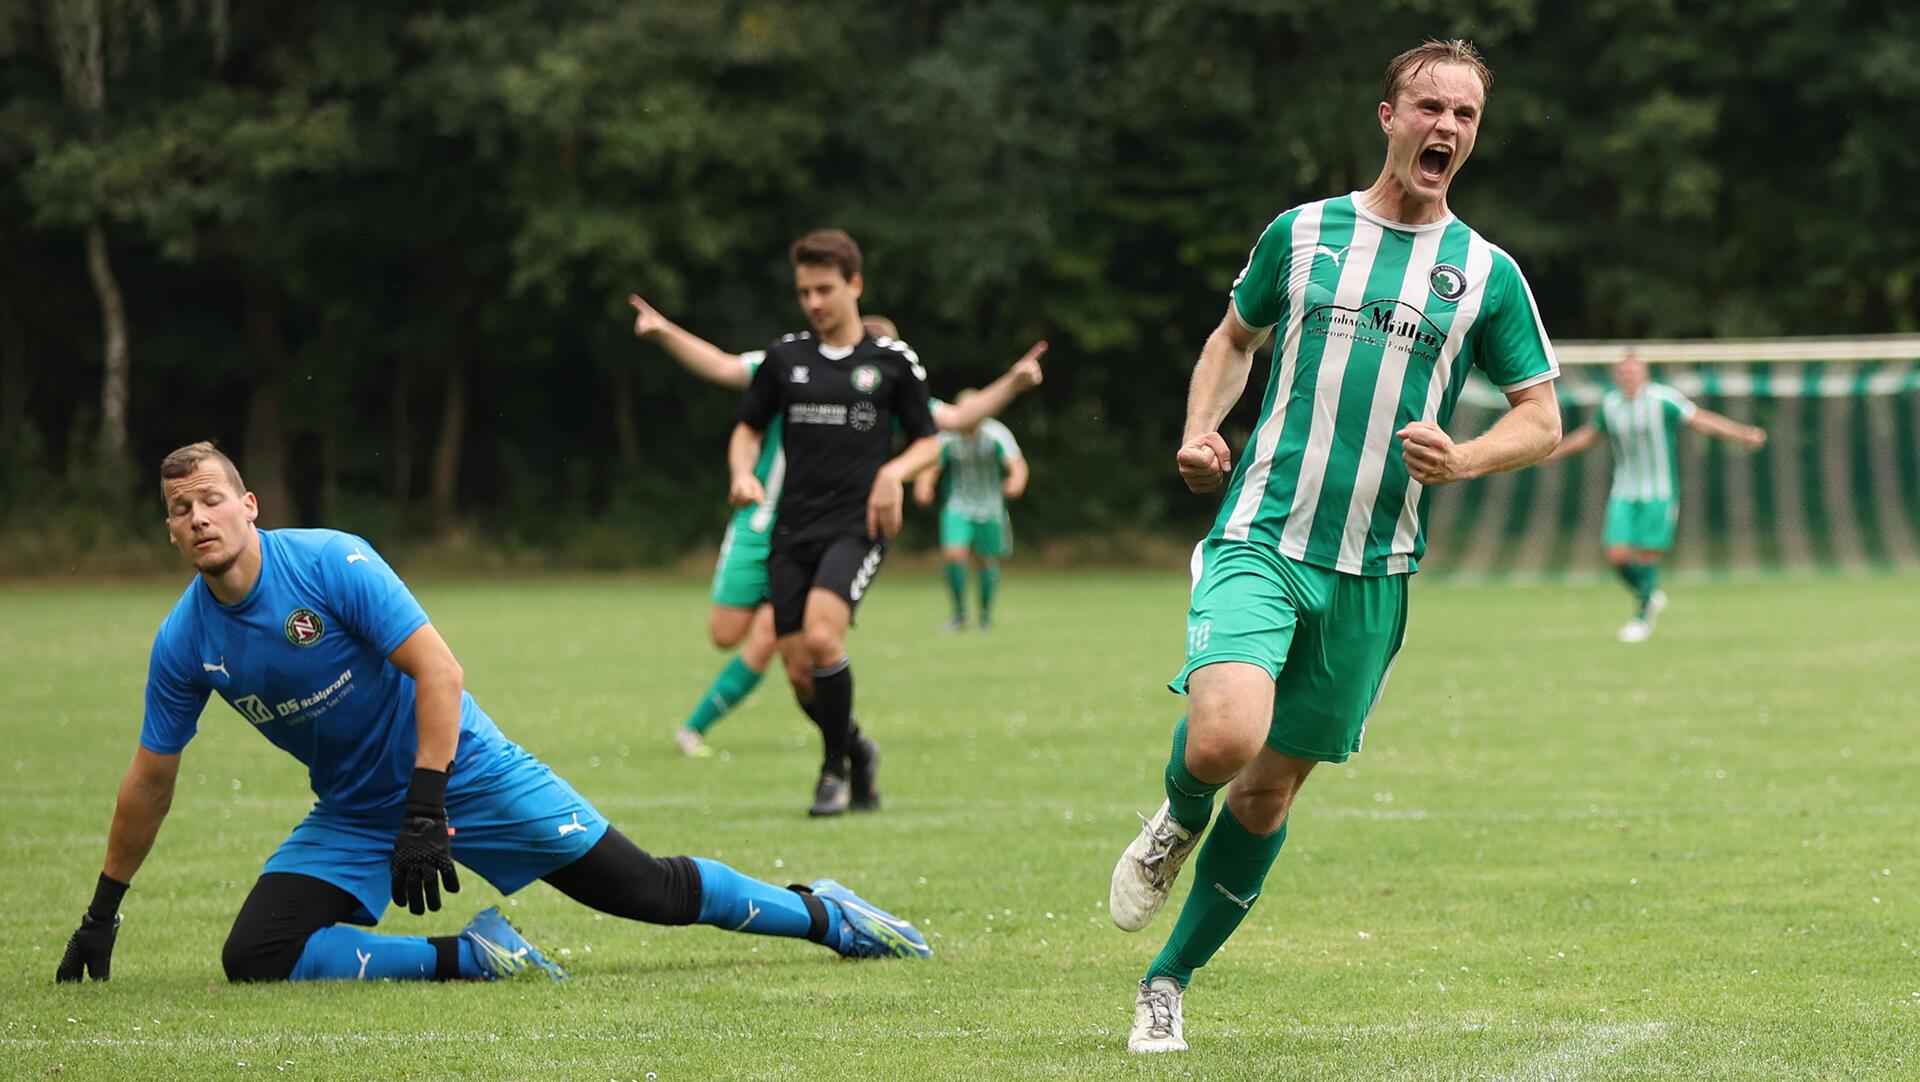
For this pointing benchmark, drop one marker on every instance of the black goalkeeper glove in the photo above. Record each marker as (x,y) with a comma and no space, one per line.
(423,851)
(91,947)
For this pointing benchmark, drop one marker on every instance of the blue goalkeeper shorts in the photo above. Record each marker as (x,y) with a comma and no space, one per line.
(513,827)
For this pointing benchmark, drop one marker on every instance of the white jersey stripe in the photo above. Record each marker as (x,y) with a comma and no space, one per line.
(1479,265)
(1350,294)
(1302,241)
(1388,387)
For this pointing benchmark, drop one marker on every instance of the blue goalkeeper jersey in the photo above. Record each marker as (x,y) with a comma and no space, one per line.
(303,659)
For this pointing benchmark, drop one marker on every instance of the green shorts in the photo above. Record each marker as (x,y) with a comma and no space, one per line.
(1641,524)
(740,578)
(991,540)
(1328,639)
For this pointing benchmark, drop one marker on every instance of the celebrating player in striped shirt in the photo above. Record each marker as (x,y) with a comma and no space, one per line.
(983,469)
(1644,419)
(1380,302)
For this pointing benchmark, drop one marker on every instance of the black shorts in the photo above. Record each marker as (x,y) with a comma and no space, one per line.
(845,564)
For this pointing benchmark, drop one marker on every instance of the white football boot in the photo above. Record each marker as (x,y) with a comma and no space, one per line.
(1636,630)
(1144,877)
(1157,1022)
(1656,604)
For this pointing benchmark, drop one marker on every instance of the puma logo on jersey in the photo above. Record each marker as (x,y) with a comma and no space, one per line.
(356,556)
(1331,253)
(569,828)
(220,668)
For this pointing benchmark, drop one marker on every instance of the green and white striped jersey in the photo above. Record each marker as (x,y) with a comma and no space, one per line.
(973,466)
(1378,323)
(1645,431)
(771,469)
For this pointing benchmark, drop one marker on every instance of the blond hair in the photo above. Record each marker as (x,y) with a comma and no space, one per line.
(183,461)
(1402,69)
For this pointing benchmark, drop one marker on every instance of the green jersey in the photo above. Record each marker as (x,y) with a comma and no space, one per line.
(1645,431)
(771,469)
(1378,323)
(973,465)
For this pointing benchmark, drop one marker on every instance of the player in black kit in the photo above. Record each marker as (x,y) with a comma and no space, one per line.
(841,392)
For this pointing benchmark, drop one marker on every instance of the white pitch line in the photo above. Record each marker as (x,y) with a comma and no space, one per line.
(1579,1055)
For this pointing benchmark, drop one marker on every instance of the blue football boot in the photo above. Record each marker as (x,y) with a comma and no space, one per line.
(502,950)
(867,931)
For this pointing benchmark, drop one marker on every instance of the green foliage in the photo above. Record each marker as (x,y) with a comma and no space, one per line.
(390,194)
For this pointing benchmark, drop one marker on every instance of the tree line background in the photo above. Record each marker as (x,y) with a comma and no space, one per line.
(381,251)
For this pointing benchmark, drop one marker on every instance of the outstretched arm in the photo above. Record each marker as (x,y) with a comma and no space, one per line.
(1014,484)
(996,396)
(695,354)
(1576,442)
(146,793)
(1219,378)
(1522,436)
(1720,426)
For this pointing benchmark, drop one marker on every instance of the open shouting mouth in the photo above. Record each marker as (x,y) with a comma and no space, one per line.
(1433,162)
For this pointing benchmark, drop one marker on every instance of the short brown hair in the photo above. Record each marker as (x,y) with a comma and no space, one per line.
(1434,51)
(827,248)
(183,462)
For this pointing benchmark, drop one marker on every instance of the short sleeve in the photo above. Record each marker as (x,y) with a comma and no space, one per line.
(174,699)
(371,601)
(912,402)
(1514,349)
(752,360)
(1599,421)
(1258,290)
(1678,404)
(762,401)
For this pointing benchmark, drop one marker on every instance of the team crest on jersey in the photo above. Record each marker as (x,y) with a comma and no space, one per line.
(304,627)
(1448,281)
(866,378)
(862,417)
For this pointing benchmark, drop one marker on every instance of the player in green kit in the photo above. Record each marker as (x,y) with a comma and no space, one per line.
(1379,302)
(740,615)
(984,469)
(1644,419)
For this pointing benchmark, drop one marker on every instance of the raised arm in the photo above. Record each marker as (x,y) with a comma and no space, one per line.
(1025,375)
(1720,426)
(1579,441)
(695,354)
(1523,435)
(146,794)
(423,851)
(1219,378)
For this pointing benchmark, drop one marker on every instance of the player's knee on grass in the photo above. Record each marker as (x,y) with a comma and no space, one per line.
(1263,794)
(1229,712)
(281,912)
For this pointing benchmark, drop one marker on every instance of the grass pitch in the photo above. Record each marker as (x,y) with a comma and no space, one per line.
(1558,856)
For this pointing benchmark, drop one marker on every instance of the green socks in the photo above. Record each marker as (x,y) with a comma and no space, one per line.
(734,684)
(1642,579)
(989,585)
(1191,799)
(957,585)
(1227,874)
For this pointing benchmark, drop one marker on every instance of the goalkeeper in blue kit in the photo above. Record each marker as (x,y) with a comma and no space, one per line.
(317,643)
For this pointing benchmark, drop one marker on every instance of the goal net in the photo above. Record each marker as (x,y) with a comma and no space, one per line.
(1837,485)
